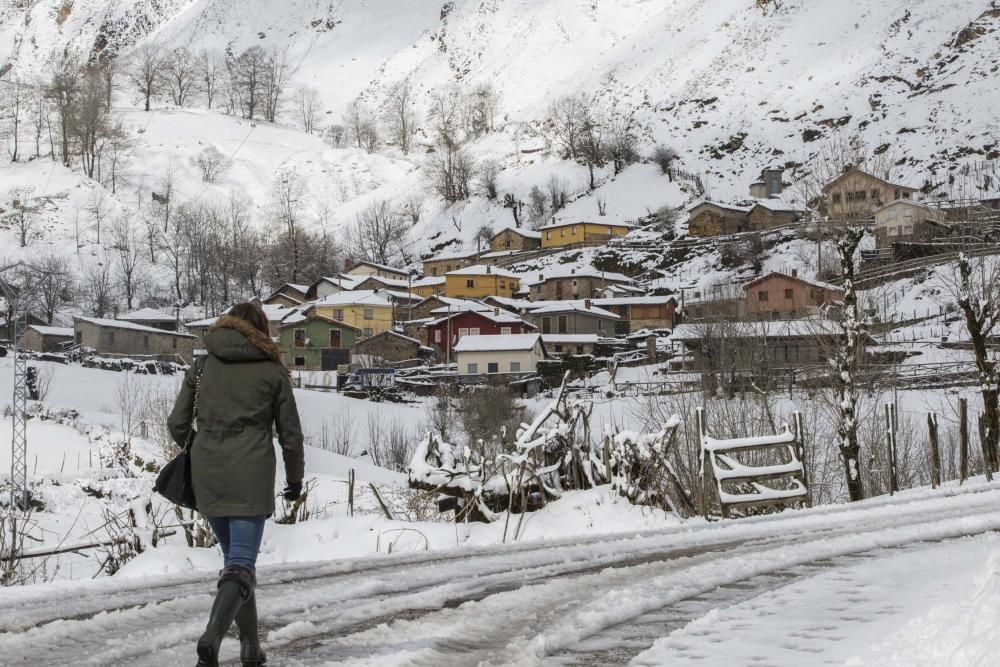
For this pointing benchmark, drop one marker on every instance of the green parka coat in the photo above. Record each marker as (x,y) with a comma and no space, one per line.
(245,390)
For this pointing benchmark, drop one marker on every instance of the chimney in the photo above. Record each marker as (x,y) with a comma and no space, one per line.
(587,303)
(489,269)
(795,273)
(541,277)
(496,312)
(772,180)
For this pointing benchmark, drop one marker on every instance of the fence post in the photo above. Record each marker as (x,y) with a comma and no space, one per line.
(932,427)
(705,463)
(350,492)
(607,457)
(987,458)
(963,429)
(800,452)
(890,427)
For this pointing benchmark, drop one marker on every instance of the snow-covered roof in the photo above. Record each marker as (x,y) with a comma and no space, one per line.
(388,282)
(571,339)
(396,334)
(459,305)
(526,233)
(147,315)
(556,272)
(570,223)
(464,254)
(502,343)
(483,270)
(66,332)
(501,317)
(812,283)
(762,329)
(910,182)
(500,253)
(573,307)
(381,267)
(351,298)
(429,281)
(728,207)
(120,324)
(779,203)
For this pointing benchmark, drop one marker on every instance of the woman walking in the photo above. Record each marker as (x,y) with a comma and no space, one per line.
(243,394)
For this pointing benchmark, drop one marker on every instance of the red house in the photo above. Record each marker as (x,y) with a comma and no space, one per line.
(443,333)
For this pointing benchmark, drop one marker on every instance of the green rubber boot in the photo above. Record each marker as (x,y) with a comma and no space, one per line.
(236,584)
(251,654)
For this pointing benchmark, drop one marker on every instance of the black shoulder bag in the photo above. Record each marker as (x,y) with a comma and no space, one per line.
(174,480)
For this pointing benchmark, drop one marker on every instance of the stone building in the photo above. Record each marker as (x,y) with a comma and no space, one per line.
(40,338)
(715,219)
(905,220)
(150,317)
(439,266)
(124,338)
(856,194)
(558,283)
(288,295)
(774,212)
(365,269)
(781,296)
(573,318)
(389,349)
(568,233)
(515,238)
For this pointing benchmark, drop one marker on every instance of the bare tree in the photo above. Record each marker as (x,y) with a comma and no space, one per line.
(23,214)
(511,201)
(98,290)
(401,117)
(107,68)
(286,198)
(39,119)
(664,158)
(211,163)
(181,75)
(127,246)
(444,114)
(558,193)
(307,105)
(483,105)
(411,209)
(974,284)
(54,285)
(165,195)
(114,149)
(833,156)
(362,125)
(450,170)
(146,72)
(593,149)
(89,118)
(210,72)
(276,75)
(379,233)
(622,143)
(489,171)
(249,74)
(566,118)
(62,90)
(483,236)
(537,207)
(14,102)
(97,206)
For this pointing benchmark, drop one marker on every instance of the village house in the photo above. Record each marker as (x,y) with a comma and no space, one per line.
(514,353)
(565,344)
(443,264)
(375,283)
(515,238)
(288,295)
(365,269)
(416,316)
(332,285)
(906,220)
(479,281)
(426,287)
(856,194)
(769,184)
(568,233)
(781,296)
(274,313)
(365,310)
(708,218)
(715,308)
(125,338)
(757,346)
(41,338)
(150,317)
(557,283)
(774,212)
(573,317)
(448,328)
(390,348)
(641,312)
(312,342)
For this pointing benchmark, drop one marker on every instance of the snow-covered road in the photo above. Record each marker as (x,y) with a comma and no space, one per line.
(591,601)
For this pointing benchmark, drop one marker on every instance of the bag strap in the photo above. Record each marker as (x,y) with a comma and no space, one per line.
(199,366)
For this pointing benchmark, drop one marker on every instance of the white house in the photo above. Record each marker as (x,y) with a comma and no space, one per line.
(515,353)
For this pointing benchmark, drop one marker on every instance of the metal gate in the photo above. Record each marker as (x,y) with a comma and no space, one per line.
(331,357)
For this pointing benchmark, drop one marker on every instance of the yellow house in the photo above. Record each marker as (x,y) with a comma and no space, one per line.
(426,287)
(566,233)
(479,281)
(363,309)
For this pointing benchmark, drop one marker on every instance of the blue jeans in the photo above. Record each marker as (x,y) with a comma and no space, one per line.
(239,537)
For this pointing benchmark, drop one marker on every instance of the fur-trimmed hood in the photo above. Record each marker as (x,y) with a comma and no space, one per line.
(234,339)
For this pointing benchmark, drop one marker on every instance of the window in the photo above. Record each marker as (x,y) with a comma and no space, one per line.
(574,282)
(474,331)
(338,314)
(789,294)
(515,367)
(876,194)
(579,349)
(762,295)
(79,338)
(546,325)
(464,331)
(610,231)
(369,314)
(472,368)
(504,331)
(892,231)
(548,236)
(562,232)
(173,342)
(503,284)
(573,232)
(437,335)
(470,283)
(300,361)
(493,367)
(111,337)
(906,195)
(600,325)
(562,324)
(145,342)
(836,197)
(857,195)
(367,331)
(434,271)
(334,337)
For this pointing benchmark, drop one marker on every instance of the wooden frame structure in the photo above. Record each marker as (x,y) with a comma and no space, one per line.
(719,467)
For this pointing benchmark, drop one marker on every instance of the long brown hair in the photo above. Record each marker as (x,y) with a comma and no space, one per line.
(252,314)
